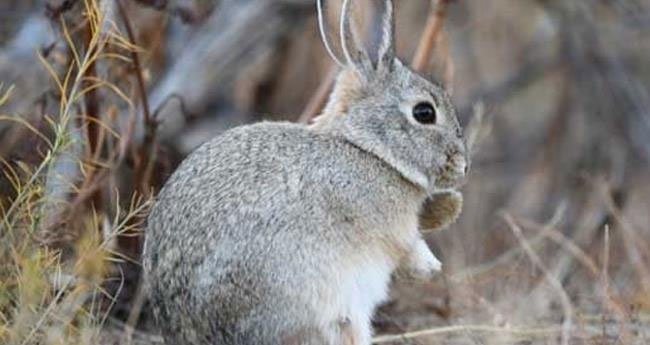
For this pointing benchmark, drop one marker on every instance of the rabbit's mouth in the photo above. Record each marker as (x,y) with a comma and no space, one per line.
(454,172)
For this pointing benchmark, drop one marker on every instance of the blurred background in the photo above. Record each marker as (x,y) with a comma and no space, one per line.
(100,100)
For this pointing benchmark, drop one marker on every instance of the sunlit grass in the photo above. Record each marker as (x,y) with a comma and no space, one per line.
(49,295)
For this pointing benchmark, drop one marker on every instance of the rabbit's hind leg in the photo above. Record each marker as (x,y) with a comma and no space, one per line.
(351,331)
(311,336)
(347,331)
(354,332)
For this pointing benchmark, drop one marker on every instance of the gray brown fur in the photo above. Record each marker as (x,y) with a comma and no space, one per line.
(279,233)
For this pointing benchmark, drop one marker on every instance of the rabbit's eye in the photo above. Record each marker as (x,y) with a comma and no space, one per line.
(424,113)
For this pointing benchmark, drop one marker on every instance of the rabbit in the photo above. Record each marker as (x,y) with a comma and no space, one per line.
(283,233)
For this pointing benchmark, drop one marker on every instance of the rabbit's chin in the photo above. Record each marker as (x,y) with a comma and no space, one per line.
(451,176)
(446,182)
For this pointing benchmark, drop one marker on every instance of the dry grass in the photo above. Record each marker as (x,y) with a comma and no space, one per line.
(54,294)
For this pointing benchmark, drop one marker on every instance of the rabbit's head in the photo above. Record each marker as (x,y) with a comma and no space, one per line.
(383,107)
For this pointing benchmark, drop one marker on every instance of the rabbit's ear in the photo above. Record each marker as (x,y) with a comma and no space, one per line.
(382,57)
(355,55)
(385,55)
(323,33)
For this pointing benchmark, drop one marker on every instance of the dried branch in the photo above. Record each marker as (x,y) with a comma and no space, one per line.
(248,32)
(430,35)
(631,239)
(142,89)
(91,117)
(318,100)
(146,155)
(567,323)
(529,332)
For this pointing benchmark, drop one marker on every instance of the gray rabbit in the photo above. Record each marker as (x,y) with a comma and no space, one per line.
(280,233)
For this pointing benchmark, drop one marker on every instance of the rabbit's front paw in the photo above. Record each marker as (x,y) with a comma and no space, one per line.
(420,263)
(440,210)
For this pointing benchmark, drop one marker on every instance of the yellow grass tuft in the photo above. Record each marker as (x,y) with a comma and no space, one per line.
(54,294)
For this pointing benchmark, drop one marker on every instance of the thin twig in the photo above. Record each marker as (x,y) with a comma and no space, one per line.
(148,149)
(134,313)
(631,240)
(145,156)
(430,36)
(136,64)
(465,328)
(318,100)
(91,118)
(605,277)
(512,253)
(565,300)
(605,273)
(559,238)
(582,257)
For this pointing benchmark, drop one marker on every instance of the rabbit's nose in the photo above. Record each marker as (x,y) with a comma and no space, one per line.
(460,164)
(463,161)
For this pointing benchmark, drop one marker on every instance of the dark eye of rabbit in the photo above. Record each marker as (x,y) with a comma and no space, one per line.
(424,113)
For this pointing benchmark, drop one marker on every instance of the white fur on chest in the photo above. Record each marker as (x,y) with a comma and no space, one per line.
(365,285)
(354,293)
(360,281)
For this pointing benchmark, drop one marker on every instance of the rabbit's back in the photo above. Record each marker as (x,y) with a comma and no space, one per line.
(254,222)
